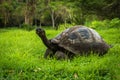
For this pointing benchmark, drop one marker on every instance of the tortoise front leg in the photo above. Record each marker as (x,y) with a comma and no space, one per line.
(48,53)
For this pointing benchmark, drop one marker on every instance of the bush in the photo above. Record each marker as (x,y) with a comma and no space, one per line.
(114,23)
(27,27)
(65,26)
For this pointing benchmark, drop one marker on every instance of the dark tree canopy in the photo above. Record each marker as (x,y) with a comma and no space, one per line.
(55,12)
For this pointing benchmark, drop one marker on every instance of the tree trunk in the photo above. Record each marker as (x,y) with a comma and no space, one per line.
(6,17)
(29,12)
(82,18)
(53,20)
(27,19)
(65,23)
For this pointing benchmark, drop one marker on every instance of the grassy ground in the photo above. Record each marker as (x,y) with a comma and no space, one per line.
(21,58)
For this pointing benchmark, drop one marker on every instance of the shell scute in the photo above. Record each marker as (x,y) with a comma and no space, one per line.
(84,33)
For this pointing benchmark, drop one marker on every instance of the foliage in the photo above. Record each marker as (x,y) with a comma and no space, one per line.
(6,9)
(114,23)
(27,27)
(104,8)
(55,12)
(21,58)
(65,26)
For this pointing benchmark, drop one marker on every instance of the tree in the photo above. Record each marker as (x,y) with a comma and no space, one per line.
(6,11)
(59,13)
(103,8)
(111,9)
(30,11)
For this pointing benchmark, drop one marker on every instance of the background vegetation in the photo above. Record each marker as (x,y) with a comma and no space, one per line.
(22,13)
(21,50)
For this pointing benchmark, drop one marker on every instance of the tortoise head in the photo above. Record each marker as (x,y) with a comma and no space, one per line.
(40,32)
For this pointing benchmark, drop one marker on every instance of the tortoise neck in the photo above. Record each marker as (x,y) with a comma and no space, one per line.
(47,42)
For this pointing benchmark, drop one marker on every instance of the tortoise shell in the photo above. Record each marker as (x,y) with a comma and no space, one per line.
(80,39)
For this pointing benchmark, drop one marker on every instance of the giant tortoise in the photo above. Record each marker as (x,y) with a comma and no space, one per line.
(77,40)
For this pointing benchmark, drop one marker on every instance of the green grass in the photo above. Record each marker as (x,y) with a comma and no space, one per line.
(21,58)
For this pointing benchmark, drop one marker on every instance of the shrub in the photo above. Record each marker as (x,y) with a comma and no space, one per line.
(114,23)
(65,26)
(27,27)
